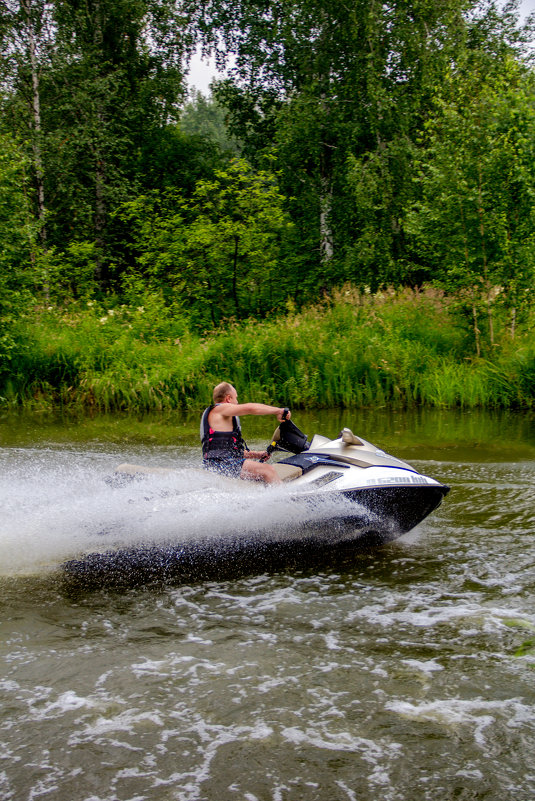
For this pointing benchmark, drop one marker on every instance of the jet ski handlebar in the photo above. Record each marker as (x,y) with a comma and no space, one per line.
(287,437)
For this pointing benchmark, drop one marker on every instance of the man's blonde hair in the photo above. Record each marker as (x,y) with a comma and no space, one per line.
(221,391)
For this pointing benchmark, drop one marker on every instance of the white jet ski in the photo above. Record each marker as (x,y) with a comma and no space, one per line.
(370,496)
(396,496)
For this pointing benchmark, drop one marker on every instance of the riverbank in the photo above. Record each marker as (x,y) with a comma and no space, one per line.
(400,350)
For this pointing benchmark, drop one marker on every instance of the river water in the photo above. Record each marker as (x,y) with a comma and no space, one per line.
(403,672)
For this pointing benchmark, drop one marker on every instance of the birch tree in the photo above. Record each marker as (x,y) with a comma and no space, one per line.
(476,219)
(324,85)
(26,31)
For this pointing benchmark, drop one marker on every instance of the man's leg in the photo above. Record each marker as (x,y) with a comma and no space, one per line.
(259,472)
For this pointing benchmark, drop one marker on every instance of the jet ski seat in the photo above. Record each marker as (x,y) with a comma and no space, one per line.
(286,472)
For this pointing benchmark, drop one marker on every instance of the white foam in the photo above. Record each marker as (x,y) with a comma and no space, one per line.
(57,506)
(127,722)
(66,702)
(186,785)
(337,741)
(451,713)
(423,611)
(352,796)
(428,667)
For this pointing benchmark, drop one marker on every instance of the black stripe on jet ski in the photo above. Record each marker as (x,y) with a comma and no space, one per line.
(306,461)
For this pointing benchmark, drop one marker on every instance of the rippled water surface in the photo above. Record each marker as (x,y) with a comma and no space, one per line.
(404,672)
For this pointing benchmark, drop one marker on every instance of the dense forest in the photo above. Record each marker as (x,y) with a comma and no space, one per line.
(364,173)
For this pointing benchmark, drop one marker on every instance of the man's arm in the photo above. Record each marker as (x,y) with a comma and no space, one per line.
(256,455)
(239,409)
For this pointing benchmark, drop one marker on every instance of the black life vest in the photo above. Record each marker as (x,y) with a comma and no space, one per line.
(221,444)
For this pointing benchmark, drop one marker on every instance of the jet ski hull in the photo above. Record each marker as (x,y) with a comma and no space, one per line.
(213,561)
(375,517)
(398,509)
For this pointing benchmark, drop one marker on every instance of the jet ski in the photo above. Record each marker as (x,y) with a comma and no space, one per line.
(348,491)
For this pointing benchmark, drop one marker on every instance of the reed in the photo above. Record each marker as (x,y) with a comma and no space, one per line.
(396,350)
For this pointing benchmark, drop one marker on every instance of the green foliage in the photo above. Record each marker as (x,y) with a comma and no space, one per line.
(216,253)
(96,84)
(17,249)
(206,118)
(379,189)
(17,231)
(478,185)
(400,134)
(339,93)
(71,273)
(353,351)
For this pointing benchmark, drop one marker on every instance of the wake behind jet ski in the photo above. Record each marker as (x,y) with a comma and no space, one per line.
(346,491)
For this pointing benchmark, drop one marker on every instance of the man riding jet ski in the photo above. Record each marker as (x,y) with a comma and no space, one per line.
(223,448)
(388,491)
(339,493)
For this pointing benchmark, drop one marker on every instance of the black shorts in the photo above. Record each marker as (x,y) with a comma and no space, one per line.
(227,467)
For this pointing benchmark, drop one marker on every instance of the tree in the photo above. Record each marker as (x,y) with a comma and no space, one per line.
(476,216)
(339,93)
(119,78)
(215,254)
(329,85)
(205,118)
(25,31)
(97,82)
(17,243)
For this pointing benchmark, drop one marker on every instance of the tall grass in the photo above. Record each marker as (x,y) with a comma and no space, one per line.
(403,350)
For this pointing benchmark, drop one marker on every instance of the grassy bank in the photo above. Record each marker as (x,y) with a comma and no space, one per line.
(398,350)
